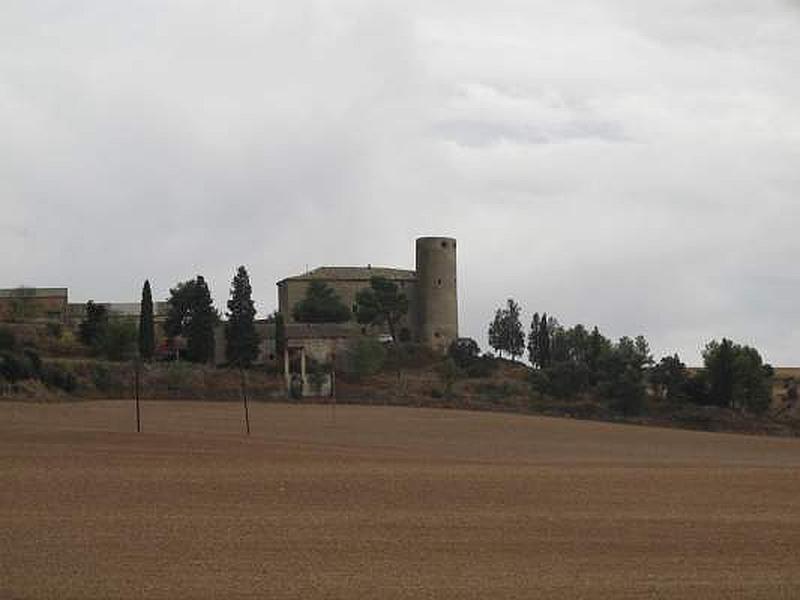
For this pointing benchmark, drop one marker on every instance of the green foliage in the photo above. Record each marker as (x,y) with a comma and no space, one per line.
(119,341)
(192,314)
(573,362)
(410,356)
(8,341)
(59,377)
(465,352)
(54,329)
(670,379)
(505,331)
(381,304)
(321,305)
(92,328)
(241,348)
(15,366)
(737,376)
(280,336)
(366,356)
(101,377)
(449,373)
(147,334)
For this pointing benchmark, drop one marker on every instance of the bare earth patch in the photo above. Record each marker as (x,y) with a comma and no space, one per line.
(377,502)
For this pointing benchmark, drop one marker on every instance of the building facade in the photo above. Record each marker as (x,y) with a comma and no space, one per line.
(431,289)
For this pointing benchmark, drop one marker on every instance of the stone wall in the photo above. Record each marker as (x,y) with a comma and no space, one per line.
(292,291)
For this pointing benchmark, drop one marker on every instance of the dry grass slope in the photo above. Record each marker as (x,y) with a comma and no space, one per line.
(378,502)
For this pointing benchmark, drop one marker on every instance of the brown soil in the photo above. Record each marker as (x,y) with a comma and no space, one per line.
(380,502)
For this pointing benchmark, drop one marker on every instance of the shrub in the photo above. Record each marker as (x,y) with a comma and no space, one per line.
(448,372)
(365,357)
(464,352)
(54,329)
(101,377)
(409,356)
(15,367)
(35,362)
(119,341)
(8,341)
(58,376)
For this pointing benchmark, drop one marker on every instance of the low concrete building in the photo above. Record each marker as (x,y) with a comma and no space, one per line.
(30,304)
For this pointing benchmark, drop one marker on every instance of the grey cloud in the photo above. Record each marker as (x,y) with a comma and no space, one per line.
(613,162)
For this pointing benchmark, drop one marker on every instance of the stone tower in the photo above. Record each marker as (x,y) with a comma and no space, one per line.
(437,300)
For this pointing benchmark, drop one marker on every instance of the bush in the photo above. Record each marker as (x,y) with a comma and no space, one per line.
(101,377)
(54,329)
(8,341)
(464,352)
(16,367)
(409,356)
(365,357)
(35,362)
(119,341)
(57,376)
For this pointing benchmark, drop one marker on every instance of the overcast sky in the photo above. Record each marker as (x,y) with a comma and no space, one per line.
(634,165)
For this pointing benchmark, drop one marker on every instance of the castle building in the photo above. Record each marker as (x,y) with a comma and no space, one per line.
(432,318)
(431,290)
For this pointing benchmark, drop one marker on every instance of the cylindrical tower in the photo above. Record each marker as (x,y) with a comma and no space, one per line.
(437,298)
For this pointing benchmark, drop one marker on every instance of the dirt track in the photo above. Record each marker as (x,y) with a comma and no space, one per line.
(386,503)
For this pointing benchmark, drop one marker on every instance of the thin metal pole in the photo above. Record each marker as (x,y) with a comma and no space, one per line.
(244,398)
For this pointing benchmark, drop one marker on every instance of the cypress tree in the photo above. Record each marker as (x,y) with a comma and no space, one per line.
(280,336)
(241,348)
(147,338)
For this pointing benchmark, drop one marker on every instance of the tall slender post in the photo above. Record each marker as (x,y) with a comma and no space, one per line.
(244,399)
(136,377)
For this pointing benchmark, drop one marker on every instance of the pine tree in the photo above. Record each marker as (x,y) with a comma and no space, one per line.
(192,315)
(381,303)
(200,330)
(147,340)
(241,348)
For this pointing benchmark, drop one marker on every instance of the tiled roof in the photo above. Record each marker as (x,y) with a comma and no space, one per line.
(354,274)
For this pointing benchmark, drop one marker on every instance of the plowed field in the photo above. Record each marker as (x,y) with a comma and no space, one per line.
(376,502)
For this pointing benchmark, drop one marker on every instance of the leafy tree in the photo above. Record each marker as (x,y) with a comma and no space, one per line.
(381,303)
(241,347)
(321,305)
(534,342)
(192,314)
(119,340)
(464,352)
(92,328)
(737,376)
(147,334)
(365,357)
(670,379)
(505,331)
(622,374)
